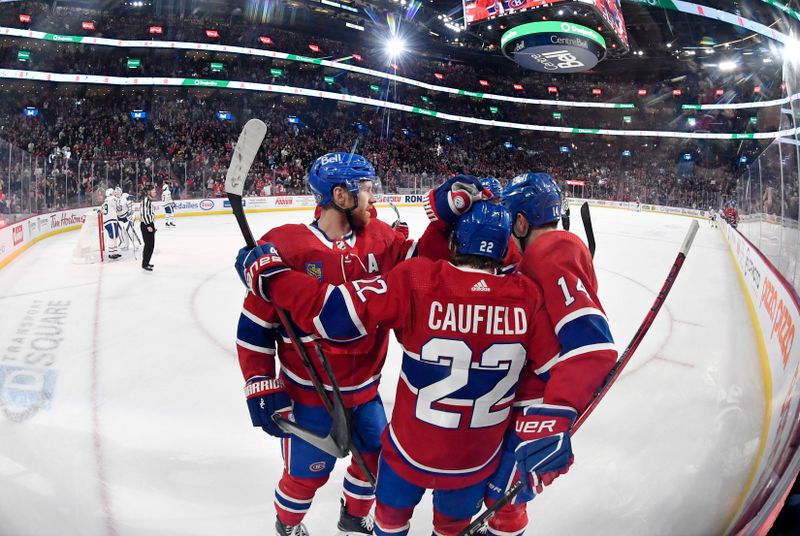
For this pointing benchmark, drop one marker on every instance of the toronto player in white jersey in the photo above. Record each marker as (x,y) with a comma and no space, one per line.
(712,217)
(127,219)
(111,223)
(169,204)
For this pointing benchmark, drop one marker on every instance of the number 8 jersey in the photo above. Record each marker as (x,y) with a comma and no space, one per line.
(471,344)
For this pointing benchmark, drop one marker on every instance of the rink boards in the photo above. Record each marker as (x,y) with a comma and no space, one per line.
(773,309)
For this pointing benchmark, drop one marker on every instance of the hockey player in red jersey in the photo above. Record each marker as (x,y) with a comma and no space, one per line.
(561,265)
(343,244)
(472,339)
(513,255)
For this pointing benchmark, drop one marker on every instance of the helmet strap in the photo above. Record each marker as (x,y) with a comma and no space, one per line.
(523,239)
(348,212)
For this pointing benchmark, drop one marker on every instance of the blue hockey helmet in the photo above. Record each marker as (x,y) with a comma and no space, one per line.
(493,185)
(484,230)
(536,195)
(338,169)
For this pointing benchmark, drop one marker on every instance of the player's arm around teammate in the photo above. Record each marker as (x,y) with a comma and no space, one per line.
(538,446)
(437,309)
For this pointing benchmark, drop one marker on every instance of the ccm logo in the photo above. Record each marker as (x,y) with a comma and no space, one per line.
(317,467)
(534,427)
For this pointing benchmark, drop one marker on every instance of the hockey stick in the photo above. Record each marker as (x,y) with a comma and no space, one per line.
(474,527)
(336,442)
(133,241)
(587,225)
(397,212)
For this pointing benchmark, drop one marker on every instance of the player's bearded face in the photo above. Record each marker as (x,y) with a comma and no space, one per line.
(366,201)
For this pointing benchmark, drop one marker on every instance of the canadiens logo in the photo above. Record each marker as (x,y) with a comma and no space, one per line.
(514,4)
(317,466)
(314,269)
(340,245)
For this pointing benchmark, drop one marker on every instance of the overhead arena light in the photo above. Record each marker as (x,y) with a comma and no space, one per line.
(727,65)
(395,46)
(791,50)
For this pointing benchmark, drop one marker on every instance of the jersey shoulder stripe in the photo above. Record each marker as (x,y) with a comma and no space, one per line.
(585,330)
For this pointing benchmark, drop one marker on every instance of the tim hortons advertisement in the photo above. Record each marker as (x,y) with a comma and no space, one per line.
(20,234)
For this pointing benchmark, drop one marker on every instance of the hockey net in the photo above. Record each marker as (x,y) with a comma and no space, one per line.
(90,247)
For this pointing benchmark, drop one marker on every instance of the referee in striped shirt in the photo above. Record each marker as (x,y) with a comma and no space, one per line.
(148,225)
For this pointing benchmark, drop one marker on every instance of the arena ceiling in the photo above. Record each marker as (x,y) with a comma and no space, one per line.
(663,43)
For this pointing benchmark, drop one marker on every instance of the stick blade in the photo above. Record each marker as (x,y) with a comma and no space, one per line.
(690,234)
(326,443)
(243,155)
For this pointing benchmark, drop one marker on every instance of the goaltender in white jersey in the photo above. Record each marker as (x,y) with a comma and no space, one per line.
(127,220)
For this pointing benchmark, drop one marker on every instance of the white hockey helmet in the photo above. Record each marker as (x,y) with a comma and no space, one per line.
(117,191)
(109,192)
(165,187)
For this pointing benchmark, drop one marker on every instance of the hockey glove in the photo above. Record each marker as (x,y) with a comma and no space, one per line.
(401,227)
(266,396)
(453,198)
(256,265)
(544,450)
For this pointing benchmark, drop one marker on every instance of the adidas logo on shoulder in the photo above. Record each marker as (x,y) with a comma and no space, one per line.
(481,286)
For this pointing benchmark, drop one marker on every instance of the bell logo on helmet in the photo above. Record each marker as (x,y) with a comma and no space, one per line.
(330,159)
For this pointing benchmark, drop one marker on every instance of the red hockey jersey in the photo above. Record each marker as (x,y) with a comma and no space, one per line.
(471,342)
(560,263)
(367,253)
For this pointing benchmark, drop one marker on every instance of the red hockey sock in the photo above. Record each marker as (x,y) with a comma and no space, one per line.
(447,526)
(358,493)
(510,520)
(392,520)
(293,497)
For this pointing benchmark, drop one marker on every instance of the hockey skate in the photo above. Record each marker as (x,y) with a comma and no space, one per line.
(350,525)
(289,530)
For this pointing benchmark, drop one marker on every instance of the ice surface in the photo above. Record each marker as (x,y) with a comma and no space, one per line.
(147,433)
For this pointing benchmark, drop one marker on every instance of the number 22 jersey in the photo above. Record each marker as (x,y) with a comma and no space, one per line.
(471,341)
